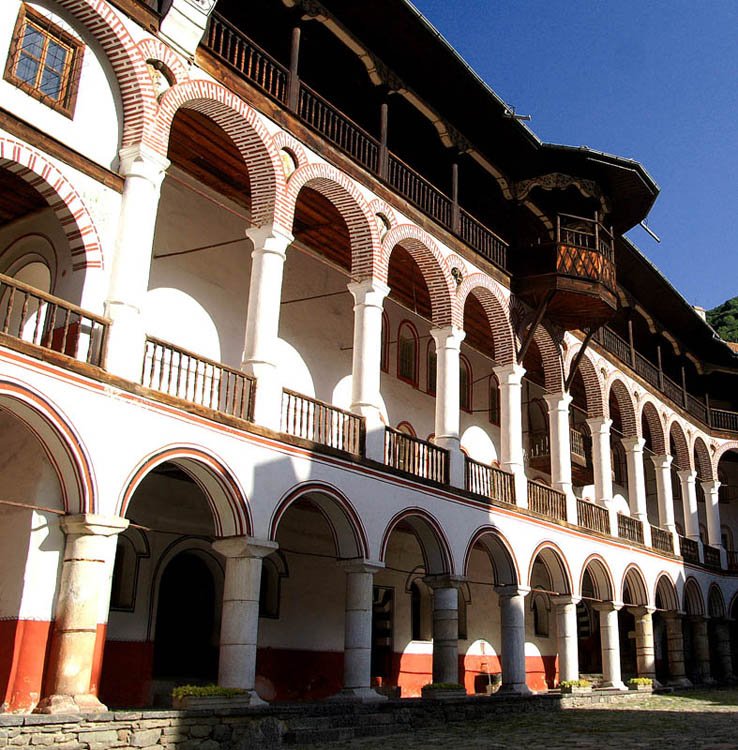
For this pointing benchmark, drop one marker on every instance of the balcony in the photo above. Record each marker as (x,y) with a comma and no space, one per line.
(630,528)
(539,455)
(690,550)
(490,482)
(593,517)
(414,456)
(575,272)
(662,540)
(546,501)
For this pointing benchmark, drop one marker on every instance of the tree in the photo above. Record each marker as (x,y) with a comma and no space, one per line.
(724,319)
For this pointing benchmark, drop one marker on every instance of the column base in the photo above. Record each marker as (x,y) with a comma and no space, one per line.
(515,688)
(255,700)
(70,704)
(363,695)
(680,682)
(618,685)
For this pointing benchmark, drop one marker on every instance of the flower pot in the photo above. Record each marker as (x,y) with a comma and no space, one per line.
(575,690)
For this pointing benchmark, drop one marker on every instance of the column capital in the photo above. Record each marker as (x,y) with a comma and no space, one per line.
(444,581)
(633,444)
(140,160)
(558,401)
(561,600)
(662,462)
(599,425)
(673,614)
(710,485)
(369,292)
(448,337)
(608,606)
(509,374)
(359,565)
(640,610)
(510,590)
(270,238)
(92,524)
(244,546)
(687,475)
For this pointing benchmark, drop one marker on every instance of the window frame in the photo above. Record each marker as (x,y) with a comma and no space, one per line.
(384,356)
(406,324)
(466,394)
(72,71)
(431,367)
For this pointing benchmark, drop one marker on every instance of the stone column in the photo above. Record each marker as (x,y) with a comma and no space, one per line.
(144,170)
(645,652)
(262,321)
(366,368)
(689,503)
(560,447)
(512,623)
(86,575)
(637,484)
(665,494)
(675,649)
(602,467)
(510,378)
(568,645)
(723,649)
(445,627)
(712,513)
(239,628)
(610,637)
(448,344)
(702,648)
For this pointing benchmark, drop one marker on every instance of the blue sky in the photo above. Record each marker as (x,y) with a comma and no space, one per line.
(655,80)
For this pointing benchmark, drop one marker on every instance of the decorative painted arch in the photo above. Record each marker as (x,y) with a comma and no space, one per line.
(649,412)
(61,444)
(431,537)
(702,460)
(433,266)
(497,309)
(558,569)
(731,445)
(247,132)
(694,602)
(635,582)
(601,576)
(155,49)
(615,386)
(66,203)
(683,457)
(666,593)
(226,499)
(500,553)
(283,140)
(128,63)
(591,380)
(348,531)
(715,602)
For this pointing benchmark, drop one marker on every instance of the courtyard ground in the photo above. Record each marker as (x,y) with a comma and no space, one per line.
(698,720)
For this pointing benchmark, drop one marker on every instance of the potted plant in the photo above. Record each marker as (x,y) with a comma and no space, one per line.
(575,687)
(211,697)
(641,684)
(443,690)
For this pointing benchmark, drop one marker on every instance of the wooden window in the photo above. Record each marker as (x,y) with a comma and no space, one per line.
(432,365)
(407,353)
(465,384)
(494,400)
(45,61)
(384,361)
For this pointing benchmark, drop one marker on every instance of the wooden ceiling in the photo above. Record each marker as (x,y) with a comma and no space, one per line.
(17,198)
(320,226)
(406,282)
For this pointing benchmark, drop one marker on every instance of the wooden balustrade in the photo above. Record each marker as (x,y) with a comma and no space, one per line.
(322,423)
(593,517)
(732,560)
(630,528)
(38,318)
(724,420)
(712,557)
(489,481)
(429,199)
(546,501)
(690,549)
(661,539)
(199,380)
(415,456)
(577,443)
(483,240)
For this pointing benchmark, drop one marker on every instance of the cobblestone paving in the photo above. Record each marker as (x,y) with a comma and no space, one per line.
(694,720)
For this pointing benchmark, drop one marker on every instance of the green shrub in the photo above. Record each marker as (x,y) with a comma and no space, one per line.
(640,681)
(575,683)
(204,691)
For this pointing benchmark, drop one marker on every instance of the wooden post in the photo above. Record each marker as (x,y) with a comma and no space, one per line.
(709,410)
(630,341)
(383,153)
(293,85)
(684,387)
(455,210)
(661,369)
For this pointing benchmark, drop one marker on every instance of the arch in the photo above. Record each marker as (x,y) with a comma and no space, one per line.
(247,132)
(650,413)
(504,565)
(283,141)
(433,266)
(348,531)
(601,576)
(555,562)
(225,497)
(702,461)
(635,582)
(62,445)
(730,445)
(590,378)
(430,535)
(66,203)
(155,49)
(666,592)
(553,364)
(715,602)
(497,309)
(624,399)
(136,89)
(683,458)
(694,603)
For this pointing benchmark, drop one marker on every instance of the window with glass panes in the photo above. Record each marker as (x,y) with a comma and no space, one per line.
(45,61)
(407,353)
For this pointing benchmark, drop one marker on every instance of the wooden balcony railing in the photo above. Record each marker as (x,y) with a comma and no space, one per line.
(724,420)
(199,380)
(539,444)
(690,549)
(546,501)
(38,318)
(585,233)
(428,198)
(489,481)
(732,560)
(415,456)
(577,443)
(593,517)
(712,557)
(322,423)
(483,240)
(630,528)
(661,539)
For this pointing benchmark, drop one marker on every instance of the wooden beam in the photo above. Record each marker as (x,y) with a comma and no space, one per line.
(536,322)
(578,358)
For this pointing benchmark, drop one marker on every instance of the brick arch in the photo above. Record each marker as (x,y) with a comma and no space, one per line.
(129,65)
(591,380)
(702,460)
(247,132)
(378,206)
(283,140)
(496,307)
(31,166)
(433,266)
(650,413)
(155,49)
(631,428)
(553,363)
(731,445)
(683,457)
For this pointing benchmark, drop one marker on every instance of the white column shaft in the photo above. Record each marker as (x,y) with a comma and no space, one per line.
(712,513)
(566,622)
(662,466)
(445,634)
(610,642)
(645,651)
(512,622)
(510,378)
(560,449)
(689,504)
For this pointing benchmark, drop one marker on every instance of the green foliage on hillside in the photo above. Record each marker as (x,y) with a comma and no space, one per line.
(724,319)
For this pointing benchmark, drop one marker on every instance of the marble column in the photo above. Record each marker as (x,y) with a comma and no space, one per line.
(633,447)
(675,649)
(723,649)
(665,495)
(512,623)
(645,650)
(560,449)
(567,640)
(510,378)
(602,467)
(445,627)
(702,648)
(610,638)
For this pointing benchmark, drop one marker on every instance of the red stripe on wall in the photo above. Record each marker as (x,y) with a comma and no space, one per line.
(23,648)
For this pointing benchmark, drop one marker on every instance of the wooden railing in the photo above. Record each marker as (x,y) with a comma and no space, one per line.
(483,240)
(593,517)
(489,481)
(712,557)
(732,560)
(577,443)
(546,501)
(630,528)
(199,380)
(415,456)
(690,549)
(418,190)
(322,423)
(539,444)
(588,234)
(661,539)
(724,420)
(38,318)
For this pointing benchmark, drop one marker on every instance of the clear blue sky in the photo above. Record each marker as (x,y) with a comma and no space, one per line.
(654,80)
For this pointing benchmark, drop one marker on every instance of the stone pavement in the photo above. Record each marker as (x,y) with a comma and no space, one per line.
(694,720)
